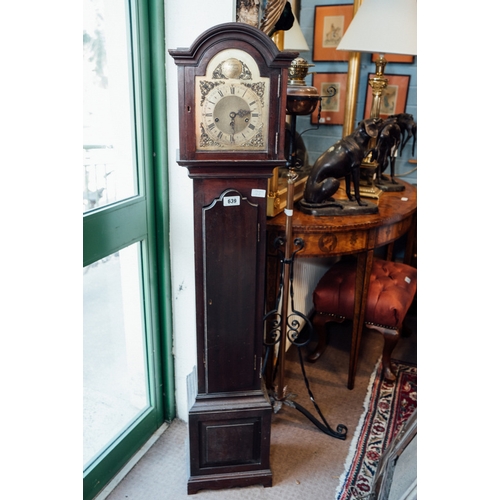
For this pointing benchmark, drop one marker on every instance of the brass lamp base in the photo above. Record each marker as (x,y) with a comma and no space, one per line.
(378,83)
(369,191)
(367,187)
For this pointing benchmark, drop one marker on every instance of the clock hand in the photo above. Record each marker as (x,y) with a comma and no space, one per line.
(241,113)
(232,115)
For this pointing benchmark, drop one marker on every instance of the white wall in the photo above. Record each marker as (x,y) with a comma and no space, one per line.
(184,21)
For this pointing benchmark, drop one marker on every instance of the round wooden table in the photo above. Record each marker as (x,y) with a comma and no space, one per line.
(343,235)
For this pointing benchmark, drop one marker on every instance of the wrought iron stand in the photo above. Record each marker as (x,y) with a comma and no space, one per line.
(282,324)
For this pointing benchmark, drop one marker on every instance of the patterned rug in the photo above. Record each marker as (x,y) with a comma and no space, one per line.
(387,407)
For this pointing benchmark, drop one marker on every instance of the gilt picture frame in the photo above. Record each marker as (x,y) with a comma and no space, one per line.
(394,96)
(330,24)
(332,107)
(395,58)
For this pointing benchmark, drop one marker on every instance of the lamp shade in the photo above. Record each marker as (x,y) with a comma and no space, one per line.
(384,27)
(294,38)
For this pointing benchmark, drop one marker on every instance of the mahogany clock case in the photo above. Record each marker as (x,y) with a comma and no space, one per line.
(230,421)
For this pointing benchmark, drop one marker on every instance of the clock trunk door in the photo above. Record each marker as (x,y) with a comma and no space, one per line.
(230,293)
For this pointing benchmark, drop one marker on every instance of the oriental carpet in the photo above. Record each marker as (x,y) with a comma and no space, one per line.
(388,405)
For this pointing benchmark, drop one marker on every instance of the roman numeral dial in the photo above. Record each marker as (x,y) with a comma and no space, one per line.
(231,115)
(231,104)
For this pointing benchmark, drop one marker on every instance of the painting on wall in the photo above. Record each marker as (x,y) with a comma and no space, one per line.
(330,24)
(394,96)
(332,107)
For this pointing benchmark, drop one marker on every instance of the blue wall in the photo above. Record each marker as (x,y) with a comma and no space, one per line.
(318,141)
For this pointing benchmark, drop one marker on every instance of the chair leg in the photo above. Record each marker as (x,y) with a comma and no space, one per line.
(319,322)
(406,331)
(391,338)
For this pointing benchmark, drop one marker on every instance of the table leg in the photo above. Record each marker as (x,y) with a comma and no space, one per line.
(363,271)
(389,251)
(410,242)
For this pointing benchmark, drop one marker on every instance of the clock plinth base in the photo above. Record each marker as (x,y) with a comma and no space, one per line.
(222,481)
(229,443)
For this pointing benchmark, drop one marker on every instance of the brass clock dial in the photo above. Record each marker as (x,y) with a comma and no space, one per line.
(232,105)
(231,116)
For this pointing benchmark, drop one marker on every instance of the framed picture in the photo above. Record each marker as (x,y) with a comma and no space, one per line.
(395,58)
(330,24)
(332,108)
(394,95)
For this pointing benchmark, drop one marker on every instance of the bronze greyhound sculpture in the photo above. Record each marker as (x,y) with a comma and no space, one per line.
(384,152)
(408,128)
(343,159)
(395,131)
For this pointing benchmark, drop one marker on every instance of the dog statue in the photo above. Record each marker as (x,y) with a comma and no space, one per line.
(408,128)
(384,152)
(395,132)
(343,159)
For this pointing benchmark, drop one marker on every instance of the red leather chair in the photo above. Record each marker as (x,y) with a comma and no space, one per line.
(392,289)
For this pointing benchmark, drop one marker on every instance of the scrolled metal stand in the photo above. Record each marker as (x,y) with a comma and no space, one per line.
(285,325)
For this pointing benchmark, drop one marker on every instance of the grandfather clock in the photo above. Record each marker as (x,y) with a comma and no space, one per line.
(232,99)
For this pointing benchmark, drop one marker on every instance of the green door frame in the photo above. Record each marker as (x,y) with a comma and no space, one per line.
(162,203)
(112,228)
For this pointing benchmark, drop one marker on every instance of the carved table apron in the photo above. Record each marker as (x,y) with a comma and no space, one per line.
(344,235)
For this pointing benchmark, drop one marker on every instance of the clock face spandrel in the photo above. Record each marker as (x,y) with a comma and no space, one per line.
(232,102)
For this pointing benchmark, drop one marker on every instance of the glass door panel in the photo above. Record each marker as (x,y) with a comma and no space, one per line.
(109,148)
(123,390)
(115,380)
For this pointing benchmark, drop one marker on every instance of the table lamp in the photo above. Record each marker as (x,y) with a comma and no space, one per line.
(292,40)
(382,27)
